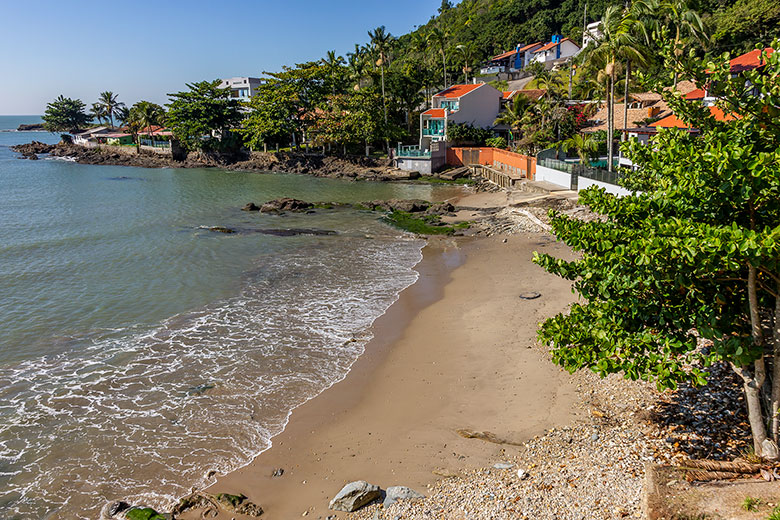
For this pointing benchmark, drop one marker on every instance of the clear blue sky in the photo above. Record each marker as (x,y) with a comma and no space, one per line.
(142,50)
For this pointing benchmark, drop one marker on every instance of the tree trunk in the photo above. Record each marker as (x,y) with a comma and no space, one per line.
(444,63)
(774,430)
(610,120)
(384,103)
(367,152)
(763,446)
(625,102)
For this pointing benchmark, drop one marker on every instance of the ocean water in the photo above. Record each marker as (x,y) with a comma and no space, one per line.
(140,351)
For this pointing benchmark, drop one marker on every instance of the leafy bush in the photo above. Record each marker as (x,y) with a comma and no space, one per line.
(466,133)
(496,142)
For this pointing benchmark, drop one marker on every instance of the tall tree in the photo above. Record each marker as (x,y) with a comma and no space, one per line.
(381,43)
(335,67)
(615,45)
(694,256)
(440,38)
(65,115)
(111,105)
(97,112)
(196,115)
(468,54)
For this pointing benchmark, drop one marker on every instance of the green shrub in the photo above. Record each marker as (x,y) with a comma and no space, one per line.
(496,142)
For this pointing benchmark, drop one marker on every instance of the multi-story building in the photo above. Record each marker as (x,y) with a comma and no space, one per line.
(556,51)
(242,88)
(476,104)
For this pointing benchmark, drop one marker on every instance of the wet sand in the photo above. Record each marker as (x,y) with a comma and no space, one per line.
(455,351)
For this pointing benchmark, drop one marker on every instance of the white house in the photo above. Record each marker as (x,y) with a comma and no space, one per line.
(90,135)
(477,104)
(557,49)
(511,61)
(592,34)
(241,88)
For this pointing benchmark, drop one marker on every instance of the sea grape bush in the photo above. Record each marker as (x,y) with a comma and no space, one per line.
(694,254)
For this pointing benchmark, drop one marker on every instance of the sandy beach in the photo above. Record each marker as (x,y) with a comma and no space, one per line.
(455,351)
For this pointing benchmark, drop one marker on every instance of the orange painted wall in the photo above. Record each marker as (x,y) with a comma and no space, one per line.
(500,159)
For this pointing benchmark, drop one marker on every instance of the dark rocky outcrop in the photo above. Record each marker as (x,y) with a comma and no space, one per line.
(407,206)
(285,204)
(37,127)
(251,206)
(347,167)
(31,150)
(355,495)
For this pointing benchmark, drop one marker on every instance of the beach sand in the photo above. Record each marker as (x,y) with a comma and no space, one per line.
(455,351)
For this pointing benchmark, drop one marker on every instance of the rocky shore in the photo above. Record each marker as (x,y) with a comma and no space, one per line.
(351,167)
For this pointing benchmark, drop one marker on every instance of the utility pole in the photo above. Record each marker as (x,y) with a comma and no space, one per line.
(584,23)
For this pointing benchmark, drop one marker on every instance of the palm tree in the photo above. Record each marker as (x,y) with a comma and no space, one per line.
(516,114)
(356,65)
(123,115)
(334,64)
(685,22)
(145,114)
(110,104)
(381,41)
(584,144)
(639,21)
(468,54)
(98,112)
(615,45)
(439,37)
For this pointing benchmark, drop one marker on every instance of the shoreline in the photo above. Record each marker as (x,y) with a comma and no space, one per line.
(351,430)
(332,166)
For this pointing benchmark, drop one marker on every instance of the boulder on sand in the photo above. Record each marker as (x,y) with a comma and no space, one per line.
(355,495)
(396,493)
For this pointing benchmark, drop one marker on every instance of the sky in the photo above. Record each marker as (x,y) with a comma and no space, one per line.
(142,50)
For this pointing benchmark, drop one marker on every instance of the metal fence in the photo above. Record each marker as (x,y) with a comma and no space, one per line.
(155,144)
(412,151)
(581,170)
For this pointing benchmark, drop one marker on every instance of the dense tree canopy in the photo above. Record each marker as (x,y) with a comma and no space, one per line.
(195,116)
(65,115)
(696,255)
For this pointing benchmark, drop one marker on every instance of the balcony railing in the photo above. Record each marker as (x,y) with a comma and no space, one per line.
(411,151)
(433,131)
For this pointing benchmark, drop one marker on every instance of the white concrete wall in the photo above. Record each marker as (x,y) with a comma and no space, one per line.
(584,182)
(554,176)
(479,107)
(568,48)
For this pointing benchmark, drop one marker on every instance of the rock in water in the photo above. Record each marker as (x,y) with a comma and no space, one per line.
(285,204)
(251,206)
(396,493)
(354,495)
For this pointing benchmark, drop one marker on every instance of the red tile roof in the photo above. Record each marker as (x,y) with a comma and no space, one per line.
(552,45)
(672,121)
(508,94)
(530,45)
(457,91)
(504,55)
(751,60)
(434,112)
(695,94)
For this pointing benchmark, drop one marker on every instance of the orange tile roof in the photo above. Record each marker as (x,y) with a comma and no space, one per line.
(504,55)
(508,94)
(695,94)
(672,121)
(751,60)
(434,112)
(457,91)
(552,45)
(523,49)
